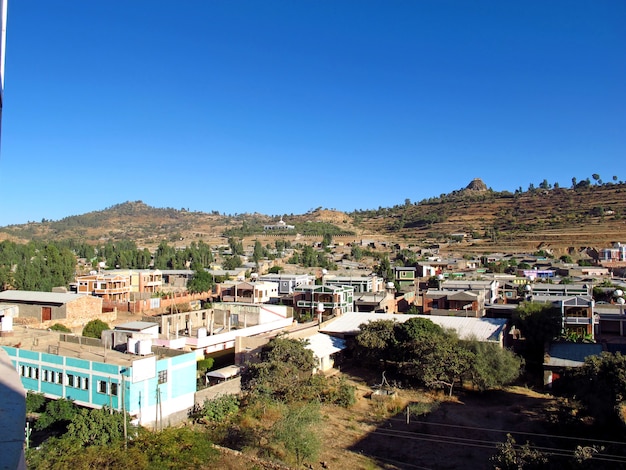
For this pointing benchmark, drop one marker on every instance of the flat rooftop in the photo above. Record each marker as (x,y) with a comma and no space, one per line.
(50,342)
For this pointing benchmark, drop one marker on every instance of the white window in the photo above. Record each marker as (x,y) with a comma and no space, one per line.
(102,386)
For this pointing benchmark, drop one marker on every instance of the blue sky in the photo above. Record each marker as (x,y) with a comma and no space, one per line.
(283,106)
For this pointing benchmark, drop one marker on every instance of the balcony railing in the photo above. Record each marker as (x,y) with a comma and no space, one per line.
(578,320)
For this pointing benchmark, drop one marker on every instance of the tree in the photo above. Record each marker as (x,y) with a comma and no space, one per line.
(601,384)
(94,328)
(441,362)
(284,372)
(327,239)
(58,414)
(539,324)
(297,433)
(236,246)
(232,262)
(376,340)
(596,177)
(100,427)
(259,252)
(492,366)
(574,182)
(202,281)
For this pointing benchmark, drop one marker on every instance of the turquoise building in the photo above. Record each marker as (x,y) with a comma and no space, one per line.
(156,388)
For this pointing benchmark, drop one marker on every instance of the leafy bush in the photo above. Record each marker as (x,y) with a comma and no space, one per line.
(94,328)
(343,395)
(60,327)
(220,409)
(34,402)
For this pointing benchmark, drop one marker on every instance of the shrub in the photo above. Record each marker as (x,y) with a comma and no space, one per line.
(34,402)
(94,328)
(60,327)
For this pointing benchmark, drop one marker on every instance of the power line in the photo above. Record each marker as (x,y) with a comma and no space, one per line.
(473,428)
(557,452)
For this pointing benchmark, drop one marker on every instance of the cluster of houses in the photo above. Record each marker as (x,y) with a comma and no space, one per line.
(148,365)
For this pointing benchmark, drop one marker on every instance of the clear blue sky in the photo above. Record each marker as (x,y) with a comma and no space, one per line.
(283,106)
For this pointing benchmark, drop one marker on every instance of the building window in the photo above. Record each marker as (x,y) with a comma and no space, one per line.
(71,380)
(102,386)
(114,389)
(23,371)
(162,376)
(85,383)
(46,375)
(60,377)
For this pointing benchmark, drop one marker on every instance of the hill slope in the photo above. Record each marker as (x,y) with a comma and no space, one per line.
(562,219)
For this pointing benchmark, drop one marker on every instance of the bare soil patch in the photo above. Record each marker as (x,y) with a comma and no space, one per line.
(460,432)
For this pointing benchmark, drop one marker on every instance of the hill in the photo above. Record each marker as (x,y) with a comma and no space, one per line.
(472,219)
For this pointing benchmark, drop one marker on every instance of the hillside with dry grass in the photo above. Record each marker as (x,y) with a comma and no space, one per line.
(471,219)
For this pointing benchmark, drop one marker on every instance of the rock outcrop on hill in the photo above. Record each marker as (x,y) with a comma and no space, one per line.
(476,185)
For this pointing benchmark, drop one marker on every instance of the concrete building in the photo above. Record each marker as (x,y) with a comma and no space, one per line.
(154,389)
(258,292)
(288,282)
(323,301)
(360,284)
(48,308)
(109,286)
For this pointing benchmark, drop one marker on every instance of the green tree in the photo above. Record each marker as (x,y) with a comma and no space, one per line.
(601,384)
(100,427)
(202,281)
(297,432)
(232,262)
(57,414)
(284,373)
(236,246)
(94,328)
(376,341)
(356,252)
(327,239)
(259,252)
(492,366)
(539,324)
(34,402)
(441,362)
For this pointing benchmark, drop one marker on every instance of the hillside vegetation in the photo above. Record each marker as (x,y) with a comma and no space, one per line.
(473,219)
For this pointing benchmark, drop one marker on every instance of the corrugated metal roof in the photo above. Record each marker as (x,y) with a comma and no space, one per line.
(483,329)
(39,297)
(571,354)
(323,345)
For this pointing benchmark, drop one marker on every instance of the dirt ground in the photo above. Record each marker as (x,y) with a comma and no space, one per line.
(450,433)
(374,434)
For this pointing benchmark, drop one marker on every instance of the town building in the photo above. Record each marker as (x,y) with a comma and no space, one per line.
(288,282)
(112,287)
(258,292)
(155,389)
(47,308)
